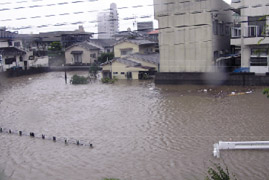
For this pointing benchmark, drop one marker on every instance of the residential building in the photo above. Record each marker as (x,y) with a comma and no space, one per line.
(133,45)
(250,35)
(108,23)
(105,45)
(81,54)
(192,34)
(145,27)
(135,66)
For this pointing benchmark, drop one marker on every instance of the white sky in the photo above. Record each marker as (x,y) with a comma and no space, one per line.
(74,9)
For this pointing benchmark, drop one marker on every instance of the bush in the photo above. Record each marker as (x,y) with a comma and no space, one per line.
(79,80)
(219,173)
(266,92)
(108,80)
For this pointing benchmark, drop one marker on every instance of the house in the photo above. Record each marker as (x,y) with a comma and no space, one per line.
(81,54)
(192,34)
(250,36)
(134,66)
(132,45)
(105,45)
(12,55)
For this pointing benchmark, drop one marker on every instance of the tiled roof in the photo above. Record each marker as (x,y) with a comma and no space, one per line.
(84,45)
(10,51)
(150,57)
(103,42)
(137,41)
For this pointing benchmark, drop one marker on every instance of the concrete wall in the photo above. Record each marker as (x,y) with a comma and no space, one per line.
(186,36)
(238,79)
(125,45)
(86,58)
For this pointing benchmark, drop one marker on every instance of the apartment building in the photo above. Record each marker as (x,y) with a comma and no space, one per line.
(250,35)
(193,34)
(108,23)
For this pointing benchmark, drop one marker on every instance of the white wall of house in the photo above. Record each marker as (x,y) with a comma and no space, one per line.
(186,38)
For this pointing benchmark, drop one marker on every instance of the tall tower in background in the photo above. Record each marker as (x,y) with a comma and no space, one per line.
(108,23)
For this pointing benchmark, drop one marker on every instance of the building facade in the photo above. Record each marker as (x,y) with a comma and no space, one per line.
(108,23)
(192,34)
(145,26)
(250,35)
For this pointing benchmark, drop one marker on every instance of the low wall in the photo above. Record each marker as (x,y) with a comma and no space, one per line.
(235,79)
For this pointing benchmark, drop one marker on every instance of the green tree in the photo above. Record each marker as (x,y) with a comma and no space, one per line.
(55,46)
(105,56)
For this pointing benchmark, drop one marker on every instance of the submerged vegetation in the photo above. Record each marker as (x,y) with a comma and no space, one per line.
(108,80)
(219,173)
(266,92)
(79,80)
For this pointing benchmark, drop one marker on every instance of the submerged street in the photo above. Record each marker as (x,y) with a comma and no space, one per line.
(139,130)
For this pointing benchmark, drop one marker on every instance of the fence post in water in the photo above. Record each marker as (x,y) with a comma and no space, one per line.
(78,143)
(20,133)
(54,138)
(91,146)
(9,131)
(65,141)
(43,136)
(1,130)
(32,134)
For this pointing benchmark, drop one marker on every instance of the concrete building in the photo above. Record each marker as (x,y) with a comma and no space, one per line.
(108,23)
(81,54)
(193,34)
(250,35)
(145,26)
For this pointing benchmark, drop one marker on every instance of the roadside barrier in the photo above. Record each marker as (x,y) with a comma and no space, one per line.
(44,137)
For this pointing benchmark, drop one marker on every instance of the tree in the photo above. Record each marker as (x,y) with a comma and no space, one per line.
(55,46)
(94,69)
(105,56)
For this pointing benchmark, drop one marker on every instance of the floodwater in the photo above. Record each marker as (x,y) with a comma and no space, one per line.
(139,130)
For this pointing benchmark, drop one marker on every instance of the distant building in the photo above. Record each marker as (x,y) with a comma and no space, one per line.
(193,34)
(145,26)
(108,23)
(105,45)
(250,36)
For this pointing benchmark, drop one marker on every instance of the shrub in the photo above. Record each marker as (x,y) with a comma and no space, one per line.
(79,80)
(219,173)
(266,92)
(108,80)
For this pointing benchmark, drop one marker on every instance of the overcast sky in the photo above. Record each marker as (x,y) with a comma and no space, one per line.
(69,14)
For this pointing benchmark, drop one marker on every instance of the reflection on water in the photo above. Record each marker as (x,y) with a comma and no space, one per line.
(139,130)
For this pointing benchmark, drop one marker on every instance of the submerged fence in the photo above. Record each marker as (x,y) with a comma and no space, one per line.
(65,141)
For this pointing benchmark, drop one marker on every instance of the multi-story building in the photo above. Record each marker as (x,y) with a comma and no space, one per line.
(193,34)
(108,23)
(145,26)
(250,34)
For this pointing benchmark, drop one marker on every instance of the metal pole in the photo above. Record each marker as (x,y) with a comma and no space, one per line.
(65,75)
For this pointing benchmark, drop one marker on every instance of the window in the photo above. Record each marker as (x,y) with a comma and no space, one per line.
(125,52)
(122,73)
(115,72)
(17,44)
(255,52)
(93,55)
(10,60)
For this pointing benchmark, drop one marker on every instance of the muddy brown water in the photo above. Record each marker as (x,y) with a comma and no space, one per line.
(140,131)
